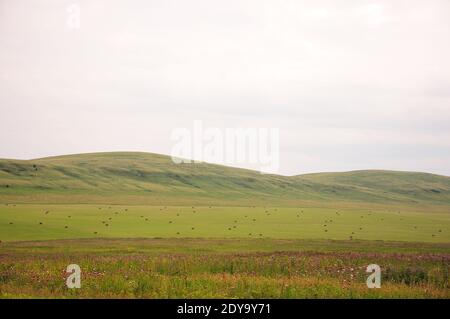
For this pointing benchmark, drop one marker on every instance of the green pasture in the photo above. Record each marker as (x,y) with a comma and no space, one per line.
(19,222)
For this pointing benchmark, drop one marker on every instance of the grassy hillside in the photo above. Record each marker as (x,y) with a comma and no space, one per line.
(144,178)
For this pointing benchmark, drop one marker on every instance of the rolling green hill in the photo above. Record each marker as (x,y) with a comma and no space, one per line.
(144,178)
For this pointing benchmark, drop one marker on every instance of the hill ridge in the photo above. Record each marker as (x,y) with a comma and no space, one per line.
(168,156)
(154,178)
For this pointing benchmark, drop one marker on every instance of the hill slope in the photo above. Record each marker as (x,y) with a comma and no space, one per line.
(144,178)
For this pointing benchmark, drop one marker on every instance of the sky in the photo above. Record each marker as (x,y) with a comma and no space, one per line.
(350,84)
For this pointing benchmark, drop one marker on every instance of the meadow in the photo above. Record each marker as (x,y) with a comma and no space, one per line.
(44,222)
(223,268)
(221,252)
(140,226)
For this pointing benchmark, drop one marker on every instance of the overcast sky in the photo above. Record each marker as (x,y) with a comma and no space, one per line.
(351,84)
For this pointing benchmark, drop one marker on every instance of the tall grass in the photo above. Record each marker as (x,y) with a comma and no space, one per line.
(273,274)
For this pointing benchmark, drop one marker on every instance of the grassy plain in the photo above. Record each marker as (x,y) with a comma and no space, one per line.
(221,252)
(42,222)
(223,268)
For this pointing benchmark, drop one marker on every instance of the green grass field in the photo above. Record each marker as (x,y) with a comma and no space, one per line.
(142,227)
(221,252)
(41,222)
